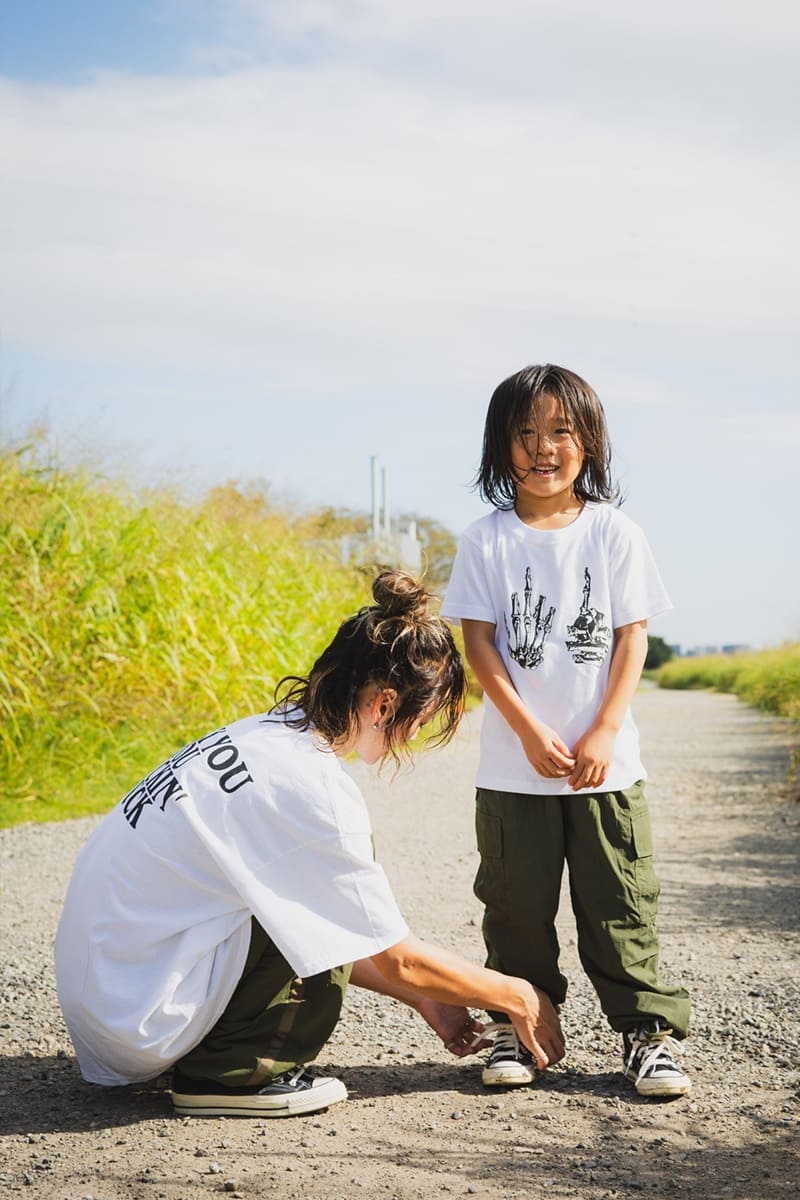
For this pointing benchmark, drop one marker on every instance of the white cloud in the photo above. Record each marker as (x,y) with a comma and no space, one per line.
(729,73)
(392,207)
(773,23)
(211,216)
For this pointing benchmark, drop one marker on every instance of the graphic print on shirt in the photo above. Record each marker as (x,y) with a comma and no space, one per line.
(530,629)
(163,785)
(588,637)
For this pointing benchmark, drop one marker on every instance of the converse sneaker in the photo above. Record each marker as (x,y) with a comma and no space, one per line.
(650,1062)
(297,1091)
(510,1064)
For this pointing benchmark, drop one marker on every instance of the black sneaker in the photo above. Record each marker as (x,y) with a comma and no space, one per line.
(650,1061)
(298,1091)
(510,1064)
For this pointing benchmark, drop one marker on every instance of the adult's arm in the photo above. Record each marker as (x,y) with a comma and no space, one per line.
(417,972)
(459,1030)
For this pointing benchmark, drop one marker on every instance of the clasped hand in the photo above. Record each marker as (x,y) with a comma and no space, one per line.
(585,766)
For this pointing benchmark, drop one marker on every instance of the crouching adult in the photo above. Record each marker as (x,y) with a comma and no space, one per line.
(217,913)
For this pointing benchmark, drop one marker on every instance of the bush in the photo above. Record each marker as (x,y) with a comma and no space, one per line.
(658,652)
(767,679)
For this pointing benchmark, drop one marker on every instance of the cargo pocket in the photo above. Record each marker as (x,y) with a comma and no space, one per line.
(637,935)
(642,841)
(490,880)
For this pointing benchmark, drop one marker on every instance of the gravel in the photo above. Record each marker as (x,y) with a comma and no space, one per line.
(419,1123)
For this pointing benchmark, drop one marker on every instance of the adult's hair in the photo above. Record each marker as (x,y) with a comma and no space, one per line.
(397,642)
(513,407)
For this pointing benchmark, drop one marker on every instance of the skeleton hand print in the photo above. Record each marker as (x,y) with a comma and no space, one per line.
(589,636)
(529,630)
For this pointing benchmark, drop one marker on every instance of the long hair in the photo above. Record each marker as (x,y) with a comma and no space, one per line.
(513,407)
(396,642)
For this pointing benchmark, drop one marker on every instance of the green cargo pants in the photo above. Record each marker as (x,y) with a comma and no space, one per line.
(606,841)
(273,1022)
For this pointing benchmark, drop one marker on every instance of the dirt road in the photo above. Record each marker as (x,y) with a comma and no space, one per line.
(419,1123)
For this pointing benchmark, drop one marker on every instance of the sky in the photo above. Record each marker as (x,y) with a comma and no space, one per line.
(248,240)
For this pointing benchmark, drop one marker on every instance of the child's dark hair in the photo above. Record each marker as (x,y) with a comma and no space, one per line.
(394,643)
(511,409)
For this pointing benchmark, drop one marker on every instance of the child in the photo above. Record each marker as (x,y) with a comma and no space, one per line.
(553,591)
(209,915)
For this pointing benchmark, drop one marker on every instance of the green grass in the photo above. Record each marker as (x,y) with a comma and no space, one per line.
(766,679)
(129,623)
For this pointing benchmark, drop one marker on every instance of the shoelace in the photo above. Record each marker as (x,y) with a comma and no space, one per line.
(291,1077)
(656,1047)
(506,1041)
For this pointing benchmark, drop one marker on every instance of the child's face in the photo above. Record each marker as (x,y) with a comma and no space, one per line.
(547,457)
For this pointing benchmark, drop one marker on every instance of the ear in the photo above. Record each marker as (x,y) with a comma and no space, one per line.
(383,706)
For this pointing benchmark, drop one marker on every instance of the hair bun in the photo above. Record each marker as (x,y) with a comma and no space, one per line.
(399,594)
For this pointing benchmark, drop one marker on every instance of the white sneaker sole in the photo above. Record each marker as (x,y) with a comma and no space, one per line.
(661,1087)
(513,1075)
(313,1099)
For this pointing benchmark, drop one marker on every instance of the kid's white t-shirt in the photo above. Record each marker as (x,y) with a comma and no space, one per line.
(255,819)
(555,597)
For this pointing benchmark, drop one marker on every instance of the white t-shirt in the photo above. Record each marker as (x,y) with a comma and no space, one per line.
(555,597)
(253,819)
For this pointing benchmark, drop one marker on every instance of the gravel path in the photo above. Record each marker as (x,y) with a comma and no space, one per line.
(727,827)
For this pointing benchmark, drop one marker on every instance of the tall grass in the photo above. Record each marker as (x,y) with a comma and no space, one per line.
(767,679)
(128,624)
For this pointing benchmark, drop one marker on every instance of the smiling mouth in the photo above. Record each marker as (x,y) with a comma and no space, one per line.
(543,472)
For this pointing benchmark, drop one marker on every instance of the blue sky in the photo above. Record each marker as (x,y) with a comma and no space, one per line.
(249,240)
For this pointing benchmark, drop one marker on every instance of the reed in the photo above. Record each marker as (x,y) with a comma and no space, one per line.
(129,622)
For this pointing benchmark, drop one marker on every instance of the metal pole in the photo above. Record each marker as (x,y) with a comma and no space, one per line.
(387,513)
(374,475)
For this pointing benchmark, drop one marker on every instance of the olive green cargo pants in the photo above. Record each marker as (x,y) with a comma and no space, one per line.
(273,1022)
(606,842)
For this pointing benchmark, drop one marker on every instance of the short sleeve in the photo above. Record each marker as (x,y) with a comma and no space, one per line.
(468,593)
(349,914)
(318,892)
(637,589)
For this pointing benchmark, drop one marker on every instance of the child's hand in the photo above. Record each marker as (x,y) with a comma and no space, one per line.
(546,752)
(593,753)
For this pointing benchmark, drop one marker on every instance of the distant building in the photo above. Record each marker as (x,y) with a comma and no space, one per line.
(705,651)
(383,544)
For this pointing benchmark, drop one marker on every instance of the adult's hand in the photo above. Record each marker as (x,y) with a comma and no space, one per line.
(415,967)
(539,1028)
(455,1025)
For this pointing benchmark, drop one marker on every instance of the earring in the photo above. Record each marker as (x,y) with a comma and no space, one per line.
(375,724)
